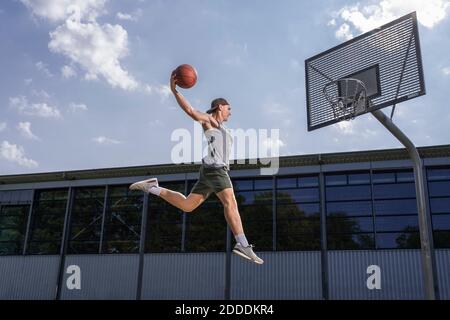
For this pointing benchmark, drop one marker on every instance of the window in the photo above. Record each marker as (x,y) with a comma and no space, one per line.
(206,228)
(86,220)
(395,204)
(298,213)
(164,222)
(439,194)
(256,210)
(13,223)
(123,220)
(16,196)
(350,223)
(47,221)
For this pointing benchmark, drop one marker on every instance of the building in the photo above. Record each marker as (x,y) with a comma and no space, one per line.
(326,225)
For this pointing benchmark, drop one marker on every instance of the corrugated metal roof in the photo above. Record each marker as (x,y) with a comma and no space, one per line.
(287,161)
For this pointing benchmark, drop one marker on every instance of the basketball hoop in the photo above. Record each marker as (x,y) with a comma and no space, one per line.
(347,96)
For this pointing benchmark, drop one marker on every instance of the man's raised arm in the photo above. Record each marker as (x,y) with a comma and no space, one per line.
(185,105)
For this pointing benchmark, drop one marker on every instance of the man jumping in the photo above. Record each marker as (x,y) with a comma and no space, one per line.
(213,171)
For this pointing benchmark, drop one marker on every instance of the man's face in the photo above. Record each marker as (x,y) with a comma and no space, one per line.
(226,111)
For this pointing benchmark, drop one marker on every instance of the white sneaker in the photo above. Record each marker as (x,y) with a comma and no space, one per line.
(247,253)
(144,185)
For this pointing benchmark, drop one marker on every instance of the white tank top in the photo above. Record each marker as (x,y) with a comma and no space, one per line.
(220,143)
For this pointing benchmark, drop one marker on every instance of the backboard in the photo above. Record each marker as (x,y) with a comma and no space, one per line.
(387,60)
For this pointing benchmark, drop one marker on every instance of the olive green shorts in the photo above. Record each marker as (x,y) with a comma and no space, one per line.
(212,180)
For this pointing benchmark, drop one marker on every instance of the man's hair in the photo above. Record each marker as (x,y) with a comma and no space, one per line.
(215,103)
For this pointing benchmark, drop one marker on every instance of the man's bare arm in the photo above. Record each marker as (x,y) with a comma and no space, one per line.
(201,117)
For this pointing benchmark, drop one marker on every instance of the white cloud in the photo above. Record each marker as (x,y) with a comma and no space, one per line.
(345,127)
(365,17)
(74,107)
(271,143)
(105,140)
(446,71)
(16,154)
(162,90)
(43,67)
(35,109)
(124,16)
(2,126)
(28,81)
(96,48)
(68,72)
(58,10)
(129,16)
(344,32)
(25,130)
(40,93)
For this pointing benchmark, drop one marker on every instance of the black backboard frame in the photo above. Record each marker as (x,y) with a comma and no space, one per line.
(414,41)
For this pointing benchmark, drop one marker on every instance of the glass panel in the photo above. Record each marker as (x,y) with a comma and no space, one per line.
(243,184)
(258,225)
(404,240)
(261,184)
(440,205)
(123,220)
(86,220)
(298,195)
(359,178)
(206,228)
(405,176)
(350,241)
(348,193)
(355,208)
(298,242)
(304,182)
(391,207)
(335,180)
(11,247)
(441,239)
(253,197)
(44,247)
(400,224)
(441,222)
(286,183)
(349,225)
(383,177)
(47,221)
(391,191)
(298,226)
(14,217)
(164,224)
(439,188)
(300,210)
(438,174)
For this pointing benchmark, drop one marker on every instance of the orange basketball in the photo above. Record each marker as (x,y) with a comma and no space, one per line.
(186,76)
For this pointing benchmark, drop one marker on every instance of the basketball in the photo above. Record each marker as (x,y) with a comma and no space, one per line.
(186,76)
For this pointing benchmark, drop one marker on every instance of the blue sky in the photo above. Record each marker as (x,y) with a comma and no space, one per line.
(84,82)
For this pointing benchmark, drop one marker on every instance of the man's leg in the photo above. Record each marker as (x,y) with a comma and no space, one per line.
(231,211)
(186,204)
(233,218)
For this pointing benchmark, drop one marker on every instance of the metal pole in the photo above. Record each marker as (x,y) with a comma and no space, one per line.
(428,263)
(142,245)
